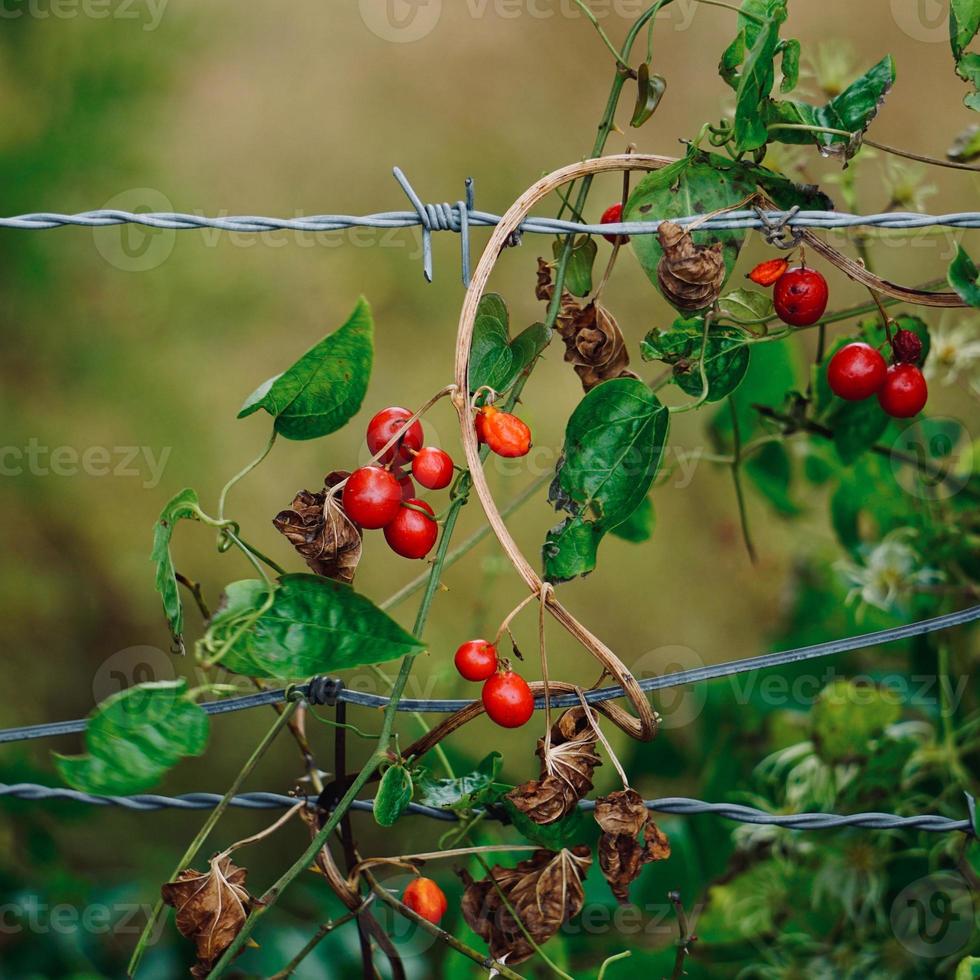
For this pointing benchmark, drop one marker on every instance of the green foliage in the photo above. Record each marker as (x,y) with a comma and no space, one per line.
(134,737)
(746,305)
(726,356)
(649,91)
(847,716)
(463,792)
(963,277)
(393,796)
(324,389)
(578,269)
(306,625)
(183,505)
(614,442)
(964,23)
(495,359)
(567,832)
(638,527)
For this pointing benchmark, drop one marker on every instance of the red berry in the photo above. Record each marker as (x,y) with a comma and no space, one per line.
(504,433)
(766,273)
(507,699)
(904,392)
(372,497)
(412,534)
(613,215)
(856,371)
(476,660)
(800,296)
(907,347)
(433,468)
(386,424)
(405,482)
(425,898)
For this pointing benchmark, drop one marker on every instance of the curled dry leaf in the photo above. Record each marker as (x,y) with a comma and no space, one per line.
(566,770)
(622,855)
(545,891)
(691,276)
(317,527)
(594,344)
(211,908)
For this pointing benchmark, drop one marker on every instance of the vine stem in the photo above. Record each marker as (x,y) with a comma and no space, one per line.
(404,859)
(272,894)
(241,474)
(738,455)
(322,932)
(625,954)
(202,835)
(584,7)
(686,938)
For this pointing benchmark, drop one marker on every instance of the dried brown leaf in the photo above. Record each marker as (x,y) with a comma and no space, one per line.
(622,855)
(545,891)
(567,766)
(211,908)
(691,276)
(594,344)
(317,527)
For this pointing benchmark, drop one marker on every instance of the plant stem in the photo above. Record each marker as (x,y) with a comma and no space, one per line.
(290,968)
(584,7)
(202,835)
(686,938)
(737,479)
(618,956)
(241,474)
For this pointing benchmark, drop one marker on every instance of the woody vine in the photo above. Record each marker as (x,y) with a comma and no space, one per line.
(284,626)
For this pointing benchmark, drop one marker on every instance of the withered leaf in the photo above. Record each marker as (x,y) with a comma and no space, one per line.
(545,891)
(594,344)
(211,908)
(567,766)
(622,855)
(691,276)
(317,527)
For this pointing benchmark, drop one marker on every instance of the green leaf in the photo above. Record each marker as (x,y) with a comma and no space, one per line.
(751,22)
(968,968)
(313,625)
(649,91)
(726,357)
(567,832)
(857,427)
(790,65)
(771,471)
(393,796)
(638,527)
(963,277)
(968,68)
(698,184)
(614,442)
(746,305)
(134,737)
(495,359)
(324,389)
(183,505)
(578,271)
(964,23)
(771,373)
(756,81)
(847,716)
(852,111)
(463,792)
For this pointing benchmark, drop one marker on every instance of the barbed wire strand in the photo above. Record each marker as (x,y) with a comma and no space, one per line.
(460,217)
(678,678)
(679,805)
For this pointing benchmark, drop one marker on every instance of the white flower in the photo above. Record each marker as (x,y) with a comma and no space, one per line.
(890,571)
(953,351)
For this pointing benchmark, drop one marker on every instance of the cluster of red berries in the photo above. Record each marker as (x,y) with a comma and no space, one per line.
(506,696)
(505,434)
(382,495)
(858,371)
(799,295)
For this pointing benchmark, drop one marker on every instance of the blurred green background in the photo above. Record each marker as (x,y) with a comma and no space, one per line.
(127,338)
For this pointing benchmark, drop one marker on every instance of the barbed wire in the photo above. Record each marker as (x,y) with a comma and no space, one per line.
(679,805)
(460,217)
(328,690)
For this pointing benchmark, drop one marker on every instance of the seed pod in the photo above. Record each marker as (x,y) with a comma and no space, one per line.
(690,276)
(907,347)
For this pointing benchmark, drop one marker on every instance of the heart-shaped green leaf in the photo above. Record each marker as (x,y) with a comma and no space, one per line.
(578,269)
(324,389)
(463,792)
(495,359)
(393,796)
(134,737)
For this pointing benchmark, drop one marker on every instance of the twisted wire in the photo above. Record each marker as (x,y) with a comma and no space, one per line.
(679,805)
